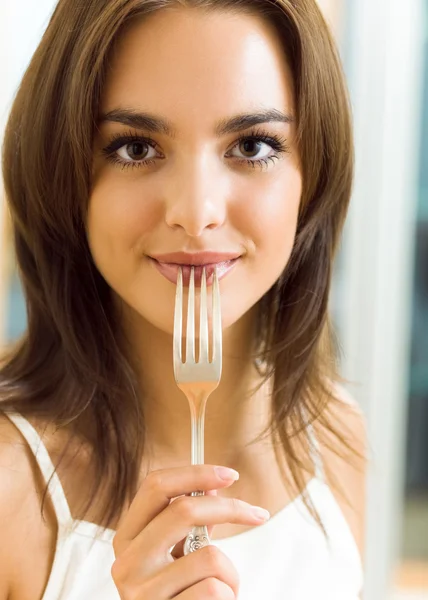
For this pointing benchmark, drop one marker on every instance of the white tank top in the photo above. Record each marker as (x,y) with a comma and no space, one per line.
(287,558)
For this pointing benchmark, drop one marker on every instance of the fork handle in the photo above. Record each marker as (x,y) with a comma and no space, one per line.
(198,537)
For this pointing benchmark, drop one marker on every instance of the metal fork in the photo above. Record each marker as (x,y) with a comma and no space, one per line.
(197,380)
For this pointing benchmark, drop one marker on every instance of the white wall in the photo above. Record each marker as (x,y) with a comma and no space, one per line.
(386,88)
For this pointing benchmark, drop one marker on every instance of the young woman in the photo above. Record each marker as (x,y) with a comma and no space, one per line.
(141,128)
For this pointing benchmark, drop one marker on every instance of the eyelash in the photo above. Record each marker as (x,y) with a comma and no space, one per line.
(117,141)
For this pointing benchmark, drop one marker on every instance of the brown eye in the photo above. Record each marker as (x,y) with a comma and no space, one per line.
(134,151)
(251,147)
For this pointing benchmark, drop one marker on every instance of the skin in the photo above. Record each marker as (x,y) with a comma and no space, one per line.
(196,198)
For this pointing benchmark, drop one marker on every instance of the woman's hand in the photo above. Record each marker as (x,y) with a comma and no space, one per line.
(145,568)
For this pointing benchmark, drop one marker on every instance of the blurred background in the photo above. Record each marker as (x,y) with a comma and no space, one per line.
(380,295)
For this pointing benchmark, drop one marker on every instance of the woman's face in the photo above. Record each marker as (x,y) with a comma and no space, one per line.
(194,188)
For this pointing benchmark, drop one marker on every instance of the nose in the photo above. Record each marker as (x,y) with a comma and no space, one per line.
(196,199)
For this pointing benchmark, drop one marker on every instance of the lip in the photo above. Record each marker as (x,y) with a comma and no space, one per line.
(170,270)
(195,258)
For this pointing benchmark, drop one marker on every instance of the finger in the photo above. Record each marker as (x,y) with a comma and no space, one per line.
(183,574)
(209,588)
(156,492)
(178,519)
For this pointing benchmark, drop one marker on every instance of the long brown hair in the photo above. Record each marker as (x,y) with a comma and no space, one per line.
(69,365)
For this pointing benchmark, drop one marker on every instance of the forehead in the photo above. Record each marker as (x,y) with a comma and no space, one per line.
(195,67)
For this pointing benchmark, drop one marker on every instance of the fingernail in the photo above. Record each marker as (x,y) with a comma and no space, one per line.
(227,474)
(260,513)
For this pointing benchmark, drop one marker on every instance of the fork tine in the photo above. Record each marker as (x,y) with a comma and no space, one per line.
(203,326)
(217,332)
(178,318)
(190,337)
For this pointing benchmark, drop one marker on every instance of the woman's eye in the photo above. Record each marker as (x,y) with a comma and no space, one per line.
(135,151)
(251,148)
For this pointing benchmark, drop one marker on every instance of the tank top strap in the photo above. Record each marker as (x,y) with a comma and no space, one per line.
(47,469)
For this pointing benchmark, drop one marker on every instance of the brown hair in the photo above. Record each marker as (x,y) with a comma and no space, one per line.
(68,365)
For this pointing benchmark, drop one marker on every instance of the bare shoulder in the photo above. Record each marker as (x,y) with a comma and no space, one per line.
(28,539)
(346,468)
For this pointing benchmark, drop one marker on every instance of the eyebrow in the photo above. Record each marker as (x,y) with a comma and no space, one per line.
(154,124)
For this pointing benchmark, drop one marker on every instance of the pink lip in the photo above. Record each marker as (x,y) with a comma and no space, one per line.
(195,258)
(170,271)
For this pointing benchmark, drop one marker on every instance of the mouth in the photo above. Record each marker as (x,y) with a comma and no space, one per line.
(170,271)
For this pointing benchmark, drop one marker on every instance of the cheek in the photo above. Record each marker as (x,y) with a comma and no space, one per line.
(118,216)
(270,214)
